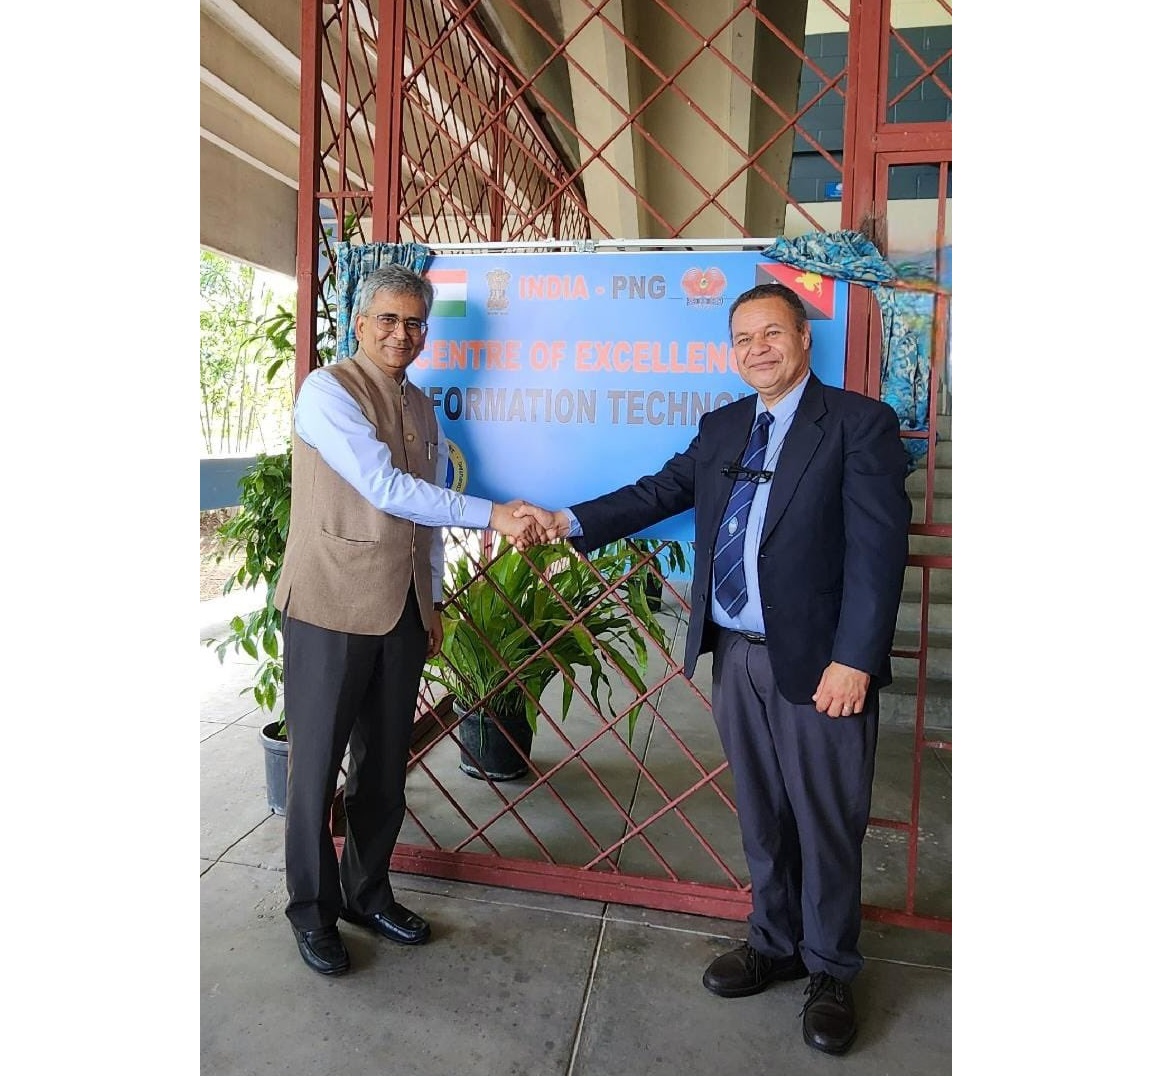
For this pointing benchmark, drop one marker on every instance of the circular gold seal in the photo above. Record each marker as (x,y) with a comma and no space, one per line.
(457,468)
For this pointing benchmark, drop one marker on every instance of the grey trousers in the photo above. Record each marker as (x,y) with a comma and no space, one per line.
(355,692)
(803,794)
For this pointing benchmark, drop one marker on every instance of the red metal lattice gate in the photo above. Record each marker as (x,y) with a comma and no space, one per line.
(454,123)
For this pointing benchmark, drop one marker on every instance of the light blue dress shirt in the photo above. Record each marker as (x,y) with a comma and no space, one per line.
(328,419)
(751,616)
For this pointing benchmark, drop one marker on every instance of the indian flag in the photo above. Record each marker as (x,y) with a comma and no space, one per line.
(451,296)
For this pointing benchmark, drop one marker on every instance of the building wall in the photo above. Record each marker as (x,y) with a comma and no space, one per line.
(812,179)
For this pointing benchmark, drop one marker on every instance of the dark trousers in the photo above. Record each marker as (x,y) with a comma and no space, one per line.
(803,795)
(354,692)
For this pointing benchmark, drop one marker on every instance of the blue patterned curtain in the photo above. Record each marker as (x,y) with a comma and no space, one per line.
(905,363)
(353,262)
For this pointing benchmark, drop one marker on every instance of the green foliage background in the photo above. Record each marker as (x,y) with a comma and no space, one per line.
(245,370)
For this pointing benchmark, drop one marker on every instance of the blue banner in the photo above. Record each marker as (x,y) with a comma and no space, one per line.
(558,377)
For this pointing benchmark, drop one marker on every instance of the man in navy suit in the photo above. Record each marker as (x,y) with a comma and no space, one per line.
(801,543)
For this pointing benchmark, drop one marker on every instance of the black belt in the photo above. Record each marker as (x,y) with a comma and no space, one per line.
(755,639)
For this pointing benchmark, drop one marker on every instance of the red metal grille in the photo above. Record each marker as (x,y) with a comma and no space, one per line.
(593,798)
(449,122)
(913,76)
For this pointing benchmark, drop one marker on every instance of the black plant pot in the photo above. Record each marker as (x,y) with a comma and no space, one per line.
(275,767)
(487,753)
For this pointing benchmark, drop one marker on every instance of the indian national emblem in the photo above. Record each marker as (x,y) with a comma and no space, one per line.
(498,289)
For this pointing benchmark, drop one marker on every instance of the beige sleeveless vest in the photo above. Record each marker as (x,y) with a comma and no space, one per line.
(347,565)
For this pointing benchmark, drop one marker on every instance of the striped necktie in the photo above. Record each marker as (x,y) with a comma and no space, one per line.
(728,565)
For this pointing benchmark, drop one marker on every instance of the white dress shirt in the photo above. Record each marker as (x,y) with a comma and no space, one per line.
(328,419)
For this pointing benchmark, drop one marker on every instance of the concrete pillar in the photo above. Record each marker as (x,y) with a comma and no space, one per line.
(719,92)
(600,86)
(245,213)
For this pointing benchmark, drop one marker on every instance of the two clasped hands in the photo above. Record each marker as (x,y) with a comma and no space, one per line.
(527,525)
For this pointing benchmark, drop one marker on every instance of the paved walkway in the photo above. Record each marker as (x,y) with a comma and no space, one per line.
(512,983)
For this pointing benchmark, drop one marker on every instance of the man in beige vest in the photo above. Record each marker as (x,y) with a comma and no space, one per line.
(360,596)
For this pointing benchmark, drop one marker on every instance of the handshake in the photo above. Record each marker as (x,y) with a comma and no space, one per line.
(526,525)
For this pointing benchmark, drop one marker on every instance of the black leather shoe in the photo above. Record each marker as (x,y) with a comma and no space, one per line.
(745,971)
(395,922)
(829,1014)
(323,950)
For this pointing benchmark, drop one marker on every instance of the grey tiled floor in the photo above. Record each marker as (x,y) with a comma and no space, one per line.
(523,983)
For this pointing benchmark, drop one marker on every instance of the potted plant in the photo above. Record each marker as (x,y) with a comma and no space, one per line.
(509,630)
(670,555)
(484,638)
(259,531)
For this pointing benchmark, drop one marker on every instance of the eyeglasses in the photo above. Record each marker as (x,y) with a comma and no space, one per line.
(736,471)
(388,323)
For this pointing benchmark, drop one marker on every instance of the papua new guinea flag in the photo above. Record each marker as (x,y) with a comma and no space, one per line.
(451,292)
(817,291)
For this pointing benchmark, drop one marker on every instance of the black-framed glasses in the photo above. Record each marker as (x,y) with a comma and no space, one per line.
(388,324)
(735,471)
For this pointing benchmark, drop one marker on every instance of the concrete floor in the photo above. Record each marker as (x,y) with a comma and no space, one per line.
(523,983)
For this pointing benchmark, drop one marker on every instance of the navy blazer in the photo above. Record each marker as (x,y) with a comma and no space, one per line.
(835,540)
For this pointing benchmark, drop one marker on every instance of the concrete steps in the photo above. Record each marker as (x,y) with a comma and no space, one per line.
(939,584)
(930,545)
(939,666)
(898,701)
(917,483)
(941,509)
(898,705)
(939,615)
(939,655)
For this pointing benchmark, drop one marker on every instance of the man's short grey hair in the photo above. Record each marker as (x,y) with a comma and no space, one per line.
(392,278)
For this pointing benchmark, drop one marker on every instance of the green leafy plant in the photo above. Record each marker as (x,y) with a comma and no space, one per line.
(670,555)
(259,531)
(243,345)
(276,331)
(508,631)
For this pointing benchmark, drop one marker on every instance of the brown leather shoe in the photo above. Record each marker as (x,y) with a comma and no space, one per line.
(745,971)
(829,1014)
